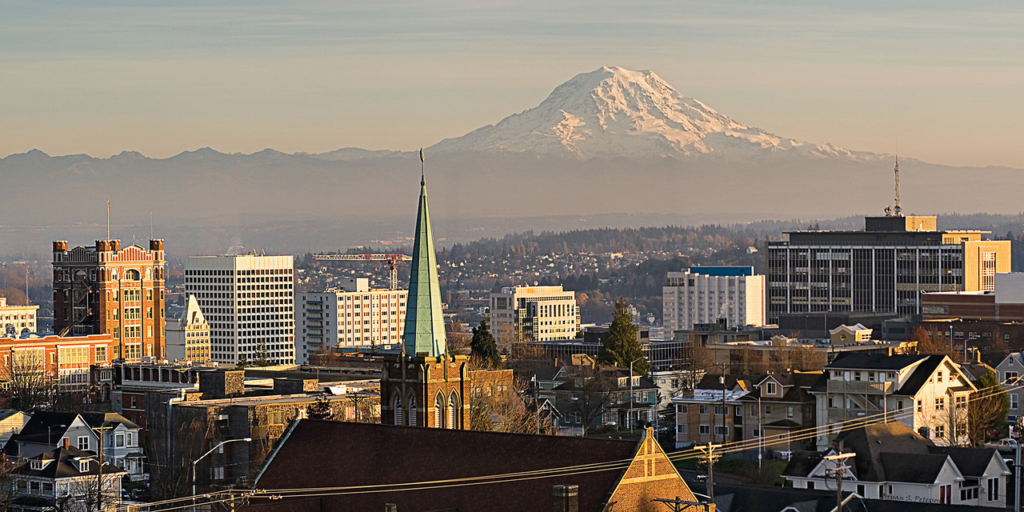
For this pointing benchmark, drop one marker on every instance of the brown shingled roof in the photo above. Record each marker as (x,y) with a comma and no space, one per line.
(330,454)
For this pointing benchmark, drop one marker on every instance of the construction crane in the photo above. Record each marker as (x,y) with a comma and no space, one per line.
(391,260)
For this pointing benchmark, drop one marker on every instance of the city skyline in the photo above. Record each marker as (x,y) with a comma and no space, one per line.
(936,84)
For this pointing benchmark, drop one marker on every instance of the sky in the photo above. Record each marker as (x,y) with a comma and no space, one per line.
(932,79)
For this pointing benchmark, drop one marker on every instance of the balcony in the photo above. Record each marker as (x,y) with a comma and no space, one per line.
(860,387)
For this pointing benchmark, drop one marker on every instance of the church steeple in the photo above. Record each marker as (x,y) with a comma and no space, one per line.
(424,324)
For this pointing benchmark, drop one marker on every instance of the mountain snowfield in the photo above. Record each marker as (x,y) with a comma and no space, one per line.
(615,112)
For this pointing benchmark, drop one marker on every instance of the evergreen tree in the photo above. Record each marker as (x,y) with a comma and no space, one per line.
(262,355)
(320,409)
(484,346)
(621,345)
(242,361)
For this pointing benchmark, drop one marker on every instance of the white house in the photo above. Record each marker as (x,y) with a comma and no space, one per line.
(1009,372)
(64,479)
(892,462)
(928,394)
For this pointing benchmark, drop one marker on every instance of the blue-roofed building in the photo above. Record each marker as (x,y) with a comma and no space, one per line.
(726,271)
(704,295)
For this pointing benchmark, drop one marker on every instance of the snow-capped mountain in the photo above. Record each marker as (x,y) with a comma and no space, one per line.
(615,112)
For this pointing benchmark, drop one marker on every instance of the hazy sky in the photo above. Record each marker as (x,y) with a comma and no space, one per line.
(943,78)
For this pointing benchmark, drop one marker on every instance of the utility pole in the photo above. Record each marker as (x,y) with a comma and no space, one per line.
(724,409)
(840,460)
(1016,476)
(708,455)
(678,504)
(99,487)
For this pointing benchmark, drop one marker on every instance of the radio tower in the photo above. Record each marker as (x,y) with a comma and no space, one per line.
(896,209)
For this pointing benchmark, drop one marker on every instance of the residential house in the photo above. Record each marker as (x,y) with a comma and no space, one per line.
(46,431)
(65,479)
(391,454)
(11,422)
(604,396)
(778,407)
(928,394)
(892,462)
(1009,372)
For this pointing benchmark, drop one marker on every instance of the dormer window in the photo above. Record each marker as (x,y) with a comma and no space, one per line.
(770,388)
(83,466)
(38,464)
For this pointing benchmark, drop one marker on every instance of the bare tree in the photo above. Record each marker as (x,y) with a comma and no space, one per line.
(504,409)
(590,394)
(170,473)
(28,385)
(8,482)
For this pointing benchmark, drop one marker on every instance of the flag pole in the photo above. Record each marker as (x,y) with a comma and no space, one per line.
(108,219)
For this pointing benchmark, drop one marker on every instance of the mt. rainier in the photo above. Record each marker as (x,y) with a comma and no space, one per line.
(615,112)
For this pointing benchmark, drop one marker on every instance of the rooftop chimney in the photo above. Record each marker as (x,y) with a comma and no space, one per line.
(566,498)
(67,443)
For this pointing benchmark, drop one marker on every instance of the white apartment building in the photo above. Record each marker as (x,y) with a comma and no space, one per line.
(248,301)
(534,313)
(706,294)
(188,338)
(354,316)
(15,320)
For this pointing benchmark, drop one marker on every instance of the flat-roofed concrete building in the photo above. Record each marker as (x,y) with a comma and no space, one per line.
(534,313)
(248,301)
(354,316)
(884,268)
(702,295)
(16,320)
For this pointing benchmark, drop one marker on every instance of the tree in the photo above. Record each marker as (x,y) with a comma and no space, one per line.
(170,466)
(242,361)
(483,345)
(262,356)
(504,409)
(8,480)
(320,409)
(28,385)
(621,345)
(987,409)
(926,345)
(590,394)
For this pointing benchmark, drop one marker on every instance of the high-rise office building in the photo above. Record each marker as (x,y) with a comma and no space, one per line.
(703,295)
(248,301)
(534,313)
(354,316)
(188,337)
(883,269)
(104,289)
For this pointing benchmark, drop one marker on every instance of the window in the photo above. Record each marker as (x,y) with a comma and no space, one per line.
(899,405)
(860,490)
(940,404)
(767,410)
(119,441)
(810,485)
(1009,376)
(682,409)
(771,388)
(1013,400)
(683,428)
(993,489)
(938,376)
(940,432)
(720,409)
(217,473)
(920,405)
(704,409)
(789,412)
(721,430)
(83,443)
(704,430)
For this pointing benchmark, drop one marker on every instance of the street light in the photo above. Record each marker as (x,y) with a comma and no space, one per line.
(49,434)
(629,420)
(195,462)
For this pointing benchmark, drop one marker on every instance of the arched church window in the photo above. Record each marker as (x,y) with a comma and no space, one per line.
(439,410)
(397,405)
(453,410)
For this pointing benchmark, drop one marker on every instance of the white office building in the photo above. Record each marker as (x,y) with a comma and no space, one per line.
(534,313)
(248,301)
(354,316)
(707,294)
(15,320)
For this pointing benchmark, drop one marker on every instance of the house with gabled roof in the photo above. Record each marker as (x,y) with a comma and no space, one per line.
(64,479)
(927,393)
(1009,372)
(465,469)
(892,462)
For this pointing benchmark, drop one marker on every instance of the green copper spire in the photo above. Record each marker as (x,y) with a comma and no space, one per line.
(424,324)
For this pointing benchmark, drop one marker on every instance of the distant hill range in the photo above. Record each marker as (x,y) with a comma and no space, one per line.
(609,147)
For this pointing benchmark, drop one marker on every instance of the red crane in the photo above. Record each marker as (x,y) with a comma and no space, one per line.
(391,260)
